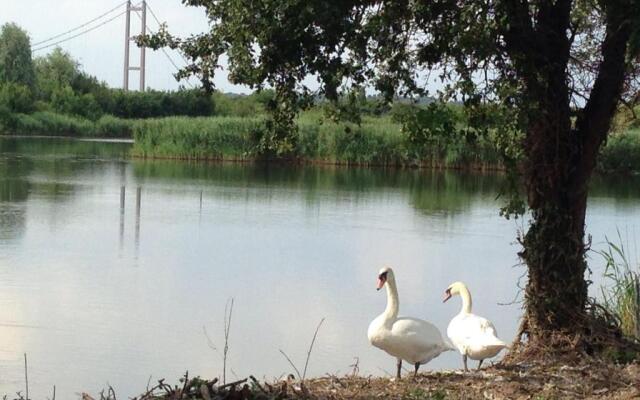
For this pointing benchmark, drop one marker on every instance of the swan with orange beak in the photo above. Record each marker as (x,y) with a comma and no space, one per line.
(410,339)
(475,337)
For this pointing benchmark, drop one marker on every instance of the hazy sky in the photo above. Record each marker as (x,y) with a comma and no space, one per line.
(101,51)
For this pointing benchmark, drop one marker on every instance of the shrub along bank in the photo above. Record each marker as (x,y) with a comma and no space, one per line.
(46,123)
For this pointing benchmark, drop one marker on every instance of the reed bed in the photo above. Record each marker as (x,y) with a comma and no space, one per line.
(197,138)
(375,141)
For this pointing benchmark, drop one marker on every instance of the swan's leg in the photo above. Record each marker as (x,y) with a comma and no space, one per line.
(399,368)
(480,365)
(415,373)
(464,360)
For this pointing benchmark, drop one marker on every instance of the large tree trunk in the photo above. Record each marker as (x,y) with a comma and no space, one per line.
(560,158)
(554,248)
(554,253)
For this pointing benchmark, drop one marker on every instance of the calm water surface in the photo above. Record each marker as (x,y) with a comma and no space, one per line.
(99,295)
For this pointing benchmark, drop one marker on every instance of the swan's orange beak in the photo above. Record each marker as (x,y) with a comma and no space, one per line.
(381,282)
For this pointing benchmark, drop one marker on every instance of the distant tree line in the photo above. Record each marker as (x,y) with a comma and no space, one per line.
(56,83)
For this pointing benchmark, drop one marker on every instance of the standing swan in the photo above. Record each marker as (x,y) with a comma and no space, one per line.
(474,337)
(410,339)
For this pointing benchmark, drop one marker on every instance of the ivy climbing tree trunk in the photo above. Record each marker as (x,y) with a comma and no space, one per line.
(554,252)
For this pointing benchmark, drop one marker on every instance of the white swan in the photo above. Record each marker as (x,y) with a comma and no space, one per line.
(474,337)
(410,339)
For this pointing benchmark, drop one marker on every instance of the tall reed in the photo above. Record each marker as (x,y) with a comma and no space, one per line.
(196,138)
(621,296)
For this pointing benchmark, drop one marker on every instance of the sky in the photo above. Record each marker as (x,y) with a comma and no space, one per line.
(101,51)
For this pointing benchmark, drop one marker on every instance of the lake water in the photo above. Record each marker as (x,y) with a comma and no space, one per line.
(97,294)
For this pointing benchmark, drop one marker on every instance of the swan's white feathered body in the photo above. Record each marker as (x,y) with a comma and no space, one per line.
(475,337)
(410,339)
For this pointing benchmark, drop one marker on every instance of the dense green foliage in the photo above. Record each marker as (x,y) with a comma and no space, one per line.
(153,104)
(15,97)
(622,152)
(227,105)
(16,65)
(64,88)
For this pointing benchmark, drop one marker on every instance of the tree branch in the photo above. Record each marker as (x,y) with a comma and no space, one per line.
(595,118)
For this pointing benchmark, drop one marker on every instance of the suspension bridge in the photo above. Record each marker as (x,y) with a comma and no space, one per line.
(125,10)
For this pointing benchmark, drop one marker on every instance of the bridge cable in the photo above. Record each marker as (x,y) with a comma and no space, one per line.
(79,26)
(162,48)
(79,34)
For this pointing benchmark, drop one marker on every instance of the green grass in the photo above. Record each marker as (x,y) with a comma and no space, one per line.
(196,138)
(621,297)
(376,141)
(48,123)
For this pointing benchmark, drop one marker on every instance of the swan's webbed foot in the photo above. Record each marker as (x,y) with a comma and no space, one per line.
(464,361)
(479,365)
(399,364)
(415,373)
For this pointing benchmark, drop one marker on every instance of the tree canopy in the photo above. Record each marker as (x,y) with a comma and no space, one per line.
(16,65)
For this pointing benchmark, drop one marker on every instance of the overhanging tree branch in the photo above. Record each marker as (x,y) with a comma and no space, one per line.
(594,120)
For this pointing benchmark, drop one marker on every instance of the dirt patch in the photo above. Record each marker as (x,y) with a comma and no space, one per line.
(590,380)
(500,382)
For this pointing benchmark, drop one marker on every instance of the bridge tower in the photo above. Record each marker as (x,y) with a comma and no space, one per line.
(127,41)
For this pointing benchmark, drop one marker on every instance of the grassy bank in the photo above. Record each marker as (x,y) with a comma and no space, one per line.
(46,123)
(376,141)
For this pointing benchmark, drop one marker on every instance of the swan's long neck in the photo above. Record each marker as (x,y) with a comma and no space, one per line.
(393,304)
(466,301)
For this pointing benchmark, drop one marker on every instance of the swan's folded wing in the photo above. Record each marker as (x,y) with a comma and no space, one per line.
(487,334)
(416,341)
(486,327)
(417,331)
(470,328)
